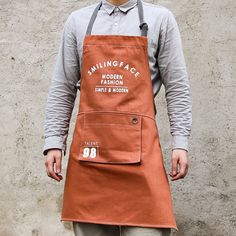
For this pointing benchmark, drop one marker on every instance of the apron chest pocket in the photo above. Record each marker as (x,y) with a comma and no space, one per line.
(111,137)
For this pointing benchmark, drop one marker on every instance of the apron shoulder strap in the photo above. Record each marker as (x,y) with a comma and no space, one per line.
(143,25)
(93,18)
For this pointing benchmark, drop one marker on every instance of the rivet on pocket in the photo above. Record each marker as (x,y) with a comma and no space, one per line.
(134,120)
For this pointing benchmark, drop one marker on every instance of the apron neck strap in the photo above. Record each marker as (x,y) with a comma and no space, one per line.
(143,25)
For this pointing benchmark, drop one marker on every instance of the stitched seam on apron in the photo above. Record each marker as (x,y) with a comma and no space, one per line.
(141,46)
(123,112)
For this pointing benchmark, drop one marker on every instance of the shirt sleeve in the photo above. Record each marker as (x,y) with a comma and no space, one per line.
(62,91)
(174,76)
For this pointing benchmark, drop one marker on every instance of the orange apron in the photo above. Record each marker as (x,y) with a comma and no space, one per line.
(115,173)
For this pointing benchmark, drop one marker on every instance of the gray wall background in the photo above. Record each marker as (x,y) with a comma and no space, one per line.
(30,202)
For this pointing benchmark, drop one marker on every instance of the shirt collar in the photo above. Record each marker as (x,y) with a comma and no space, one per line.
(109,7)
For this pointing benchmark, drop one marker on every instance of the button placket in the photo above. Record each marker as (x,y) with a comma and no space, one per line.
(116,19)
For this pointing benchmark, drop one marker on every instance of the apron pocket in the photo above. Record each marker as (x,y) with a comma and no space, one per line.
(111,137)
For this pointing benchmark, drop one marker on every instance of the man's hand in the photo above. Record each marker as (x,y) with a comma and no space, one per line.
(180,164)
(54,156)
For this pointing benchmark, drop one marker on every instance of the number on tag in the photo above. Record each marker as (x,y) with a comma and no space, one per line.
(90,152)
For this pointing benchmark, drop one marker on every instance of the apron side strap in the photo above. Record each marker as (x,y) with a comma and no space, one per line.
(93,18)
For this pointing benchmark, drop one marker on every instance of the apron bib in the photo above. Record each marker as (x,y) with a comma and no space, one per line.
(115,173)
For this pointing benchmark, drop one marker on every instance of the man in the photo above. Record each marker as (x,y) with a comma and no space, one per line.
(167,66)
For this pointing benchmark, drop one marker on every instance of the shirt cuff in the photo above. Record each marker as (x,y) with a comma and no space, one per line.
(180,142)
(54,142)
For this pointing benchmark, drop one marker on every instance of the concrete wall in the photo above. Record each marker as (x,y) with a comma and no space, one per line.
(30,202)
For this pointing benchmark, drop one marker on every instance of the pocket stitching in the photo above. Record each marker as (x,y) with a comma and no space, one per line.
(130,127)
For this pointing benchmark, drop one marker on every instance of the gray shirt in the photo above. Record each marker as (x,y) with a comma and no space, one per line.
(166,61)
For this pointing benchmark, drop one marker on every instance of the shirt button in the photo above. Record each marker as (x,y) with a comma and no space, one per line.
(115,23)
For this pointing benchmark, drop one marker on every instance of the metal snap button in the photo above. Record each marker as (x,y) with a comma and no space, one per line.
(134,120)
